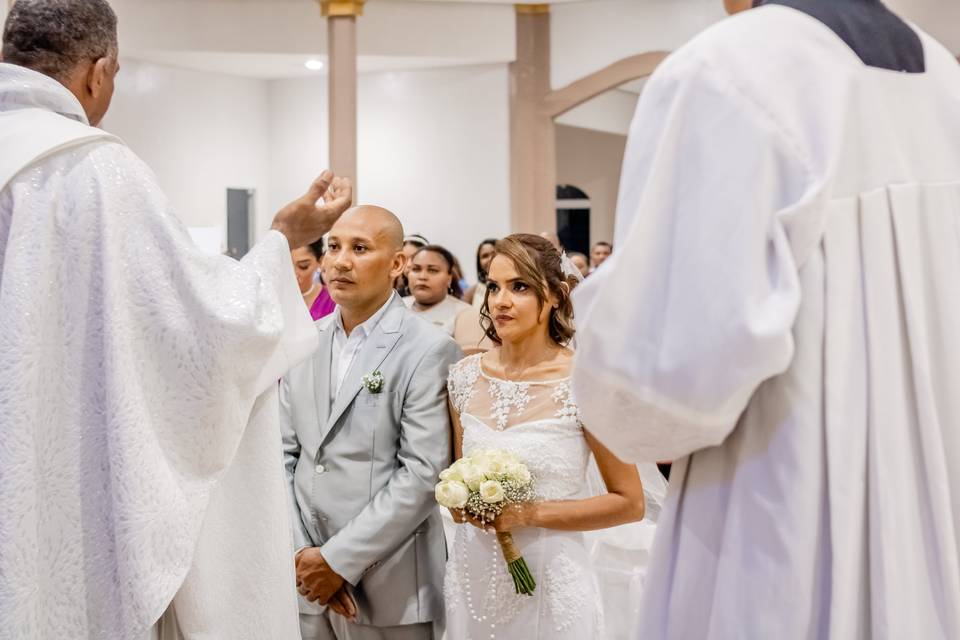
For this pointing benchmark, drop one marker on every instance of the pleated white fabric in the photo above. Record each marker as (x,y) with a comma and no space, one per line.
(781,316)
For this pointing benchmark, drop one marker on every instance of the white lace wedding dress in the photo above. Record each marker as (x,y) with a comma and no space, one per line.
(539,422)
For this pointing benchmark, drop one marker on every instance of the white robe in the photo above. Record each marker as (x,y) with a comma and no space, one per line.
(781,316)
(140,453)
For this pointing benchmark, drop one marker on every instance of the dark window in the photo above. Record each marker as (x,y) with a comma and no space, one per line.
(573,218)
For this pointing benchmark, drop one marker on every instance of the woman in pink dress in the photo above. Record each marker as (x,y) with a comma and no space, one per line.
(307,265)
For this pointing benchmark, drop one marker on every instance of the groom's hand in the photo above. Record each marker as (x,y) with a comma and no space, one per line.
(343,604)
(316,581)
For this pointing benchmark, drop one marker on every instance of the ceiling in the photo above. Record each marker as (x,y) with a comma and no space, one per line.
(229,36)
(278,66)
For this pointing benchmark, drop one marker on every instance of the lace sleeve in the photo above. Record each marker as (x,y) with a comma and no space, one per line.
(460,382)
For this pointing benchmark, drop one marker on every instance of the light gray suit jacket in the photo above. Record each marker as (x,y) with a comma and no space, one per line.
(362,470)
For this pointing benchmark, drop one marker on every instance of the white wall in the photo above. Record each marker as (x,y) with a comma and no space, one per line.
(201,133)
(297,136)
(609,112)
(586,37)
(591,160)
(433,144)
(433,148)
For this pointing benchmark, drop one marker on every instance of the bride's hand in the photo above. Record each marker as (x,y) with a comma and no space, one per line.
(514,516)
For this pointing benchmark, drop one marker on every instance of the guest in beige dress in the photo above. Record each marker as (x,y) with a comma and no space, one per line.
(433,288)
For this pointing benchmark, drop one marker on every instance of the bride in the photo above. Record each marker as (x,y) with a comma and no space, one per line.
(517,396)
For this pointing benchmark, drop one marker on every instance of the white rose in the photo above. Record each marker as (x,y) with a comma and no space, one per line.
(452,495)
(472,476)
(491,492)
(518,473)
(484,454)
(453,473)
(495,461)
(493,467)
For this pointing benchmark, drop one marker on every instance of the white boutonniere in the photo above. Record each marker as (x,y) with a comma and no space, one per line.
(373,381)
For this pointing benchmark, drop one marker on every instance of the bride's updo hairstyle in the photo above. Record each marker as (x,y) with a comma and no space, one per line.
(537,263)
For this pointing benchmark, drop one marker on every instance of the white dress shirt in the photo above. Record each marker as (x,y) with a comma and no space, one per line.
(346,348)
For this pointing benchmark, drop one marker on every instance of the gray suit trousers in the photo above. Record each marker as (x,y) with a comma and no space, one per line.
(330,626)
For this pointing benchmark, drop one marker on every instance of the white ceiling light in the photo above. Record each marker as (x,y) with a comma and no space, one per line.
(314,65)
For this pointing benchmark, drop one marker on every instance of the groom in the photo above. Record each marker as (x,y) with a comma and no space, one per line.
(366,433)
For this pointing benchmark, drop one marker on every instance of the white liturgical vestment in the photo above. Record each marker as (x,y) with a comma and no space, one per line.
(781,316)
(140,454)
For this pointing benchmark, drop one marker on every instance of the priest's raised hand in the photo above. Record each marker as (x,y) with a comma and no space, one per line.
(308,218)
(139,442)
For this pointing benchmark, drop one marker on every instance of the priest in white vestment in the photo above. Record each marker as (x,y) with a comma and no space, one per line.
(782,318)
(140,452)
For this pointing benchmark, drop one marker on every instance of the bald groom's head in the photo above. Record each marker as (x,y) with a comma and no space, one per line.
(364,257)
(379,221)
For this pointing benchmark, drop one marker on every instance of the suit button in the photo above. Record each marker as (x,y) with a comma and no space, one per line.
(321,468)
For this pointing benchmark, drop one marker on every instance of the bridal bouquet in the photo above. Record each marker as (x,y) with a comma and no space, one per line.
(482,484)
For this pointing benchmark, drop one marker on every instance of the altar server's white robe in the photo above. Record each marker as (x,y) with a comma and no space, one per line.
(782,316)
(140,453)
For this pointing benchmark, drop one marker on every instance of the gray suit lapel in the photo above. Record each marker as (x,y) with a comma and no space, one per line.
(375,350)
(321,365)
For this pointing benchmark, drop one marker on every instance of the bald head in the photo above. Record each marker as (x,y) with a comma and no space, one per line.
(364,257)
(378,222)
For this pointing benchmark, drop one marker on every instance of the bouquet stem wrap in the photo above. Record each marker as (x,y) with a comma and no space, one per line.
(523,580)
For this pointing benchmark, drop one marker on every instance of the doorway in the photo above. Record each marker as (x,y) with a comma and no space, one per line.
(573,219)
(239,222)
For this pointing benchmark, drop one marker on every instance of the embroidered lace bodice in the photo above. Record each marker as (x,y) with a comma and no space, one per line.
(539,421)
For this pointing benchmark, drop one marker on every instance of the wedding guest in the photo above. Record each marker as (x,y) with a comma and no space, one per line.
(411,244)
(469,334)
(580,262)
(517,397)
(477,292)
(306,264)
(552,238)
(599,254)
(462,283)
(434,288)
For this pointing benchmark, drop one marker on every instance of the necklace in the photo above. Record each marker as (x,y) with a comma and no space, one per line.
(310,292)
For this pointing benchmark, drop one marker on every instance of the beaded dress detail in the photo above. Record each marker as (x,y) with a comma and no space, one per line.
(538,421)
